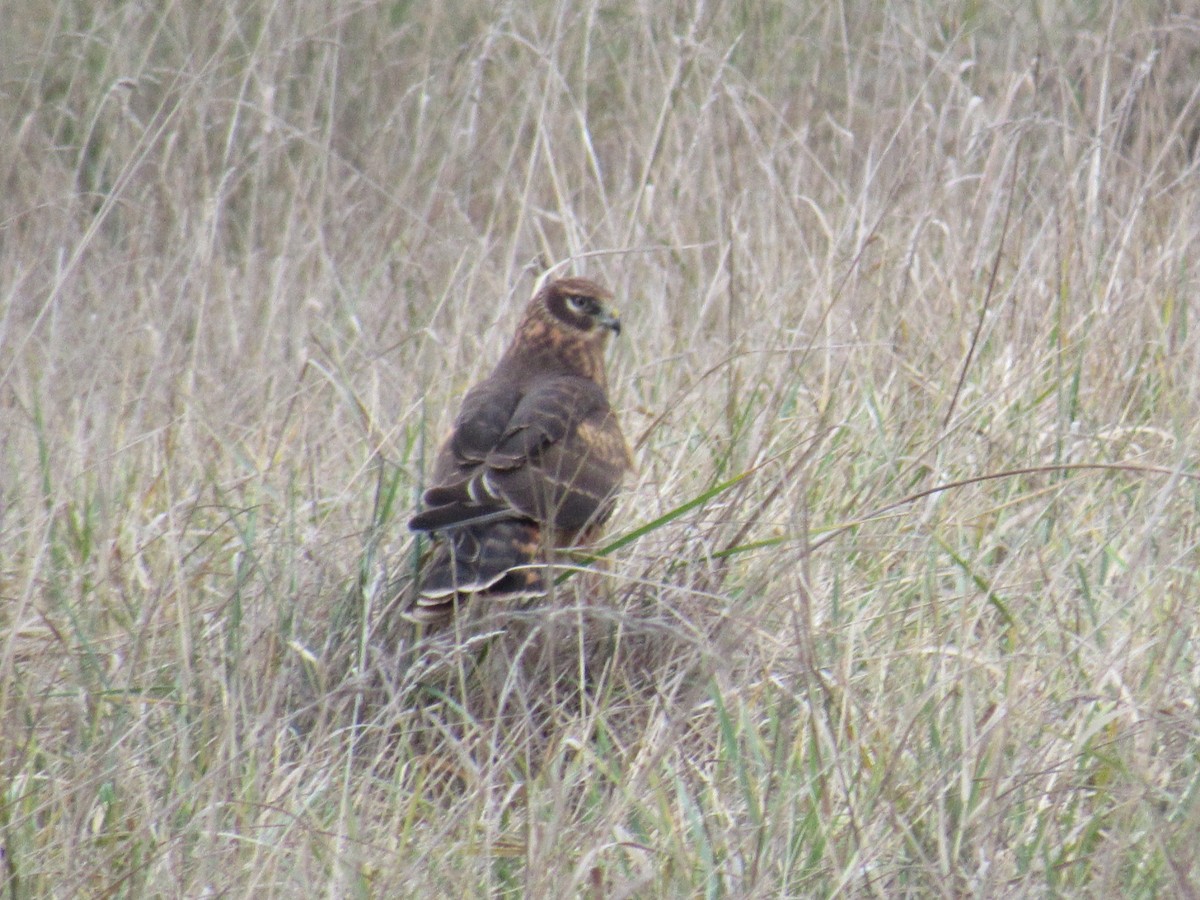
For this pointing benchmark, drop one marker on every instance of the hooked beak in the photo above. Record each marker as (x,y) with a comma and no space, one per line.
(610,320)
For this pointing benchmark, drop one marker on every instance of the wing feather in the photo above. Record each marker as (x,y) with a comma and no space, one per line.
(563,458)
(558,458)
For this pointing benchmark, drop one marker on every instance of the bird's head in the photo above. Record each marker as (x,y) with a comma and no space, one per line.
(566,327)
(580,305)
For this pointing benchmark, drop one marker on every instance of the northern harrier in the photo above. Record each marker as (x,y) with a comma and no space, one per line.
(534,460)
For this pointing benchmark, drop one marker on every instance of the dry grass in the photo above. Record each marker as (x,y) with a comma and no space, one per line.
(908,605)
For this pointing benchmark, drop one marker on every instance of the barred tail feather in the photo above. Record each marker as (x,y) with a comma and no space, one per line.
(492,559)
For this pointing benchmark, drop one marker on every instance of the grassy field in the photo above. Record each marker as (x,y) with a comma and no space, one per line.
(904,599)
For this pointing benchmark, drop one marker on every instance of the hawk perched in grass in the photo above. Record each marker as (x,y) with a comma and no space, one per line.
(534,460)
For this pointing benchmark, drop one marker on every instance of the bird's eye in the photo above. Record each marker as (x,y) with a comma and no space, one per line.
(585,306)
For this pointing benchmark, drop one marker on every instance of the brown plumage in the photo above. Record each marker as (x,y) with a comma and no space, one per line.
(534,460)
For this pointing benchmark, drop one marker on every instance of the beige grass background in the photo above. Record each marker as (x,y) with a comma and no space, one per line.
(909,600)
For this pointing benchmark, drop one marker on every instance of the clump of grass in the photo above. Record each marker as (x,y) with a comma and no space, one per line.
(900,599)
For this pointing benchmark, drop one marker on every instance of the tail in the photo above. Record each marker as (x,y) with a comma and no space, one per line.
(480,559)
